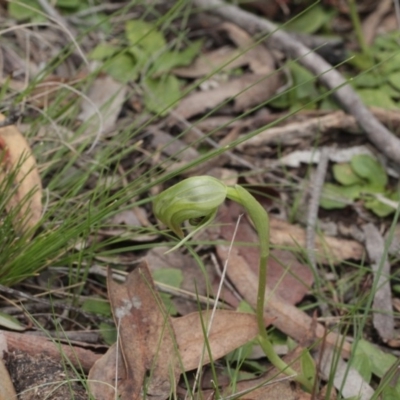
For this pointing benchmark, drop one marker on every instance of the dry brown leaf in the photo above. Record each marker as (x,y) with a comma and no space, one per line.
(107,97)
(245,91)
(146,336)
(7,391)
(224,58)
(103,379)
(286,317)
(229,330)
(147,344)
(289,279)
(329,249)
(18,160)
(260,59)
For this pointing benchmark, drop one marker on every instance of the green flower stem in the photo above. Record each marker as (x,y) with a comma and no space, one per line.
(197,200)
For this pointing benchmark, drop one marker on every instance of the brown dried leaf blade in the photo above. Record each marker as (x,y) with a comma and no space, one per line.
(229,330)
(18,164)
(146,341)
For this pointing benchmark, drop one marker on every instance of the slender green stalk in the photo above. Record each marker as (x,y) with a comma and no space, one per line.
(355,19)
(197,200)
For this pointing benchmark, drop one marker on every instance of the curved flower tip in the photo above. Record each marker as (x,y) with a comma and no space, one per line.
(194,199)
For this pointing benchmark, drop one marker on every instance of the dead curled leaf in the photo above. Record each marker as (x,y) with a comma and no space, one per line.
(19,163)
(153,344)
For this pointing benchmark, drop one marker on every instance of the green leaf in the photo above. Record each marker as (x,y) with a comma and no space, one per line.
(70,4)
(172,59)
(362,364)
(169,305)
(308,366)
(370,79)
(394,79)
(336,196)
(161,93)
(377,98)
(172,277)
(144,34)
(9,322)
(122,68)
(303,82)
(311,20)
(345,175)
(361,61)
(379,360)
(245,307)
(379,208)
(388,42)
(390,62)
(370,169)
(169,276)
(108,333)
(103,51)
(390,393)
(97,306)
(26,9)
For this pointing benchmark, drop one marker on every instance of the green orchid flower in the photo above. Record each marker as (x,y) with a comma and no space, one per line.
(196,200)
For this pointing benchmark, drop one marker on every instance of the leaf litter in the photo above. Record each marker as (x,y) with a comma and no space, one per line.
(245,66)
(154,345)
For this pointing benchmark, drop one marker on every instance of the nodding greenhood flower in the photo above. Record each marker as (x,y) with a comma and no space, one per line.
(196,200)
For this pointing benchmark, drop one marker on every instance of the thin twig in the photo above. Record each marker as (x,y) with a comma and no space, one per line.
(312,217)
(379,135)
(314,206)
(64,306)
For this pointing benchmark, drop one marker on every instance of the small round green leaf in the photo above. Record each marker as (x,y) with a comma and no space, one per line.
(370,169)
(345,175)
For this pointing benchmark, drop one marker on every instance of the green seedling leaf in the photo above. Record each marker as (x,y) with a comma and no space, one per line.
(103,51)
(345,175)
(311,20)
(370,169)
(336,197)
(363,365)
(108,333)
(161,93)
(122,68)
(379,360)
(387,42)
(394,79)
(169,276)
(145,35)
(303,82)
(97,306)
(390,393)
(376,98)
(172,277)
(172,59)
(308,366)
(69,4)
(379,208)
(9,322)
(26,9)
(361,61)
(390,62)
(370,79)
(245,307)
(169,305)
